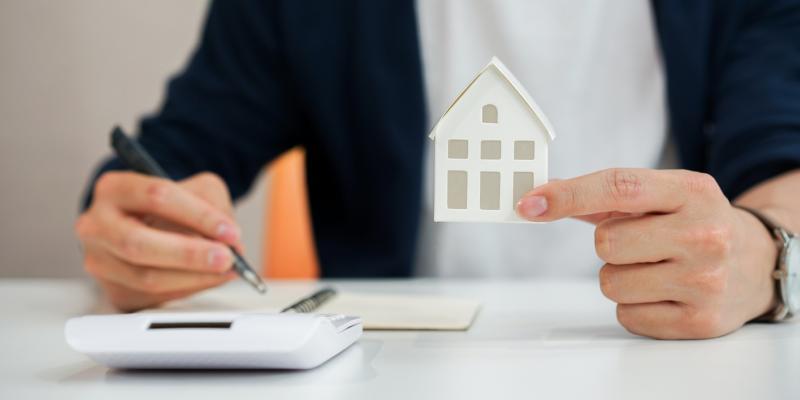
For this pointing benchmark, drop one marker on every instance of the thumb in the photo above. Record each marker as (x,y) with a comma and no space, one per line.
(211,188)
(595,219)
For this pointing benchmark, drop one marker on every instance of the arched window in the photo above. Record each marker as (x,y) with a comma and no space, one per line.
(489,115)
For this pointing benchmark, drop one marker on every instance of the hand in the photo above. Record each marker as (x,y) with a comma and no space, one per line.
(148,240)
(681,262)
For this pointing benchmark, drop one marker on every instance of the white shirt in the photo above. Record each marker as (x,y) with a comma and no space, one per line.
(594,68)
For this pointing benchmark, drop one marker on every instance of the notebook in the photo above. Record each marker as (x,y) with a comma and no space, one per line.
(378,311)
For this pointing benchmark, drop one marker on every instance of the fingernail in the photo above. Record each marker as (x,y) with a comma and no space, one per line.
(532,206)
(226,231)
(218,257)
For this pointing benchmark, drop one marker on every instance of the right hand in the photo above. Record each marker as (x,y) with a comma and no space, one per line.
(149,240)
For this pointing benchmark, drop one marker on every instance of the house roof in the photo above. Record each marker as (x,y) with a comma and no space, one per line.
(518,88)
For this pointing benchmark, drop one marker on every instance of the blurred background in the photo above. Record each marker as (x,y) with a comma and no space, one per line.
(69,71)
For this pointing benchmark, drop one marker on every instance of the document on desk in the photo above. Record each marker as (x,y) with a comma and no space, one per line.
(377,311)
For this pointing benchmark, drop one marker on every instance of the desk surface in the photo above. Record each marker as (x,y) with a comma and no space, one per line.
(531,339)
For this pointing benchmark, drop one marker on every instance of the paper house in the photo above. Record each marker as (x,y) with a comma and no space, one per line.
(490,149)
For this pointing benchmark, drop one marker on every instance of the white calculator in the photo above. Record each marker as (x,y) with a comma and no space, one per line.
(212,340)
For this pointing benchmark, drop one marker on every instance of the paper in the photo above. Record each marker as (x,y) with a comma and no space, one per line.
(405,312)
(377,311)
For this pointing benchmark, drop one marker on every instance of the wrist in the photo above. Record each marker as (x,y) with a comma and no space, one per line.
(759,258)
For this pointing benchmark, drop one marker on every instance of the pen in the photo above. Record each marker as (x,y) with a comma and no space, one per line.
(312,302)
(137,158)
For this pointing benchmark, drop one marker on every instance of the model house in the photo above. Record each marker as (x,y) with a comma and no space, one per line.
(490,149)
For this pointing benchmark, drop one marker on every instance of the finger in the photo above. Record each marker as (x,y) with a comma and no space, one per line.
(150,280)
(135,242)
(163,225)
(623,190)
(660,320)
(642,283)
(645,239)
(148,195)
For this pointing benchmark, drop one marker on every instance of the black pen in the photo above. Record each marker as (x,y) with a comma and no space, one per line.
(137,158)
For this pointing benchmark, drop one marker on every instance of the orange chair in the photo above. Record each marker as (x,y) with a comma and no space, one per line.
(288,242)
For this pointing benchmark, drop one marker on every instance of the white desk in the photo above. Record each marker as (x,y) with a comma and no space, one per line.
(531,340)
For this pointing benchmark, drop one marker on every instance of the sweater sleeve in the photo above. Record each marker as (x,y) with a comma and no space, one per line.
(754,132)
(228,111)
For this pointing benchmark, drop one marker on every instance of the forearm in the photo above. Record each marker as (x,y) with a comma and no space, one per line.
(777,197)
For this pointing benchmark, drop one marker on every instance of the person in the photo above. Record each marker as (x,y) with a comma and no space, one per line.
(358,83)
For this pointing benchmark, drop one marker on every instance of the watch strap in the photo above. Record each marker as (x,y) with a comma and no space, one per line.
(767,221)
(781,311)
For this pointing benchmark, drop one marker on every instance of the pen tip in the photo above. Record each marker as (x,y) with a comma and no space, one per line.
(261,287)
(254,280)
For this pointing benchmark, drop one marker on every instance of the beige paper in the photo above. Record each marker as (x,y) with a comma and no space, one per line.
(405,312)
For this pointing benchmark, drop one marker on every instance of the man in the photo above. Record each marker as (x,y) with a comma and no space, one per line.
(349,81)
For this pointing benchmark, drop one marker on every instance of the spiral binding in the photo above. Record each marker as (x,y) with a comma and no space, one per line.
(312,302)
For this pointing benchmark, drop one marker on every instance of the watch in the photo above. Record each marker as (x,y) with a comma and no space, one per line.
(787,268)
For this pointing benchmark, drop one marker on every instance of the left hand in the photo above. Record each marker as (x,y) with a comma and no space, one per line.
(681,261)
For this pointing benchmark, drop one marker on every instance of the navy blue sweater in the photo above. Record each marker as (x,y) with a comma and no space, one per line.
(343,79)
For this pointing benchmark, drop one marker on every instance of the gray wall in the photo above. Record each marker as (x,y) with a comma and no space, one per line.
(69,70)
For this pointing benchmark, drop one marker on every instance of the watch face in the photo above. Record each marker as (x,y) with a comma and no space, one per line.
(791,285)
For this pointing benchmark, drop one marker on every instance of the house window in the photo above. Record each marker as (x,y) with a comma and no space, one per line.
(490,149)
(523,183)
(490,190)
(523,150)
(457,189)
(489,114)
(457,148)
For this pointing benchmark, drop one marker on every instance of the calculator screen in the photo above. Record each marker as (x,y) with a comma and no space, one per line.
(190,325)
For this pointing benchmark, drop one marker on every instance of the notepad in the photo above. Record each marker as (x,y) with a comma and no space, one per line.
(378,311)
